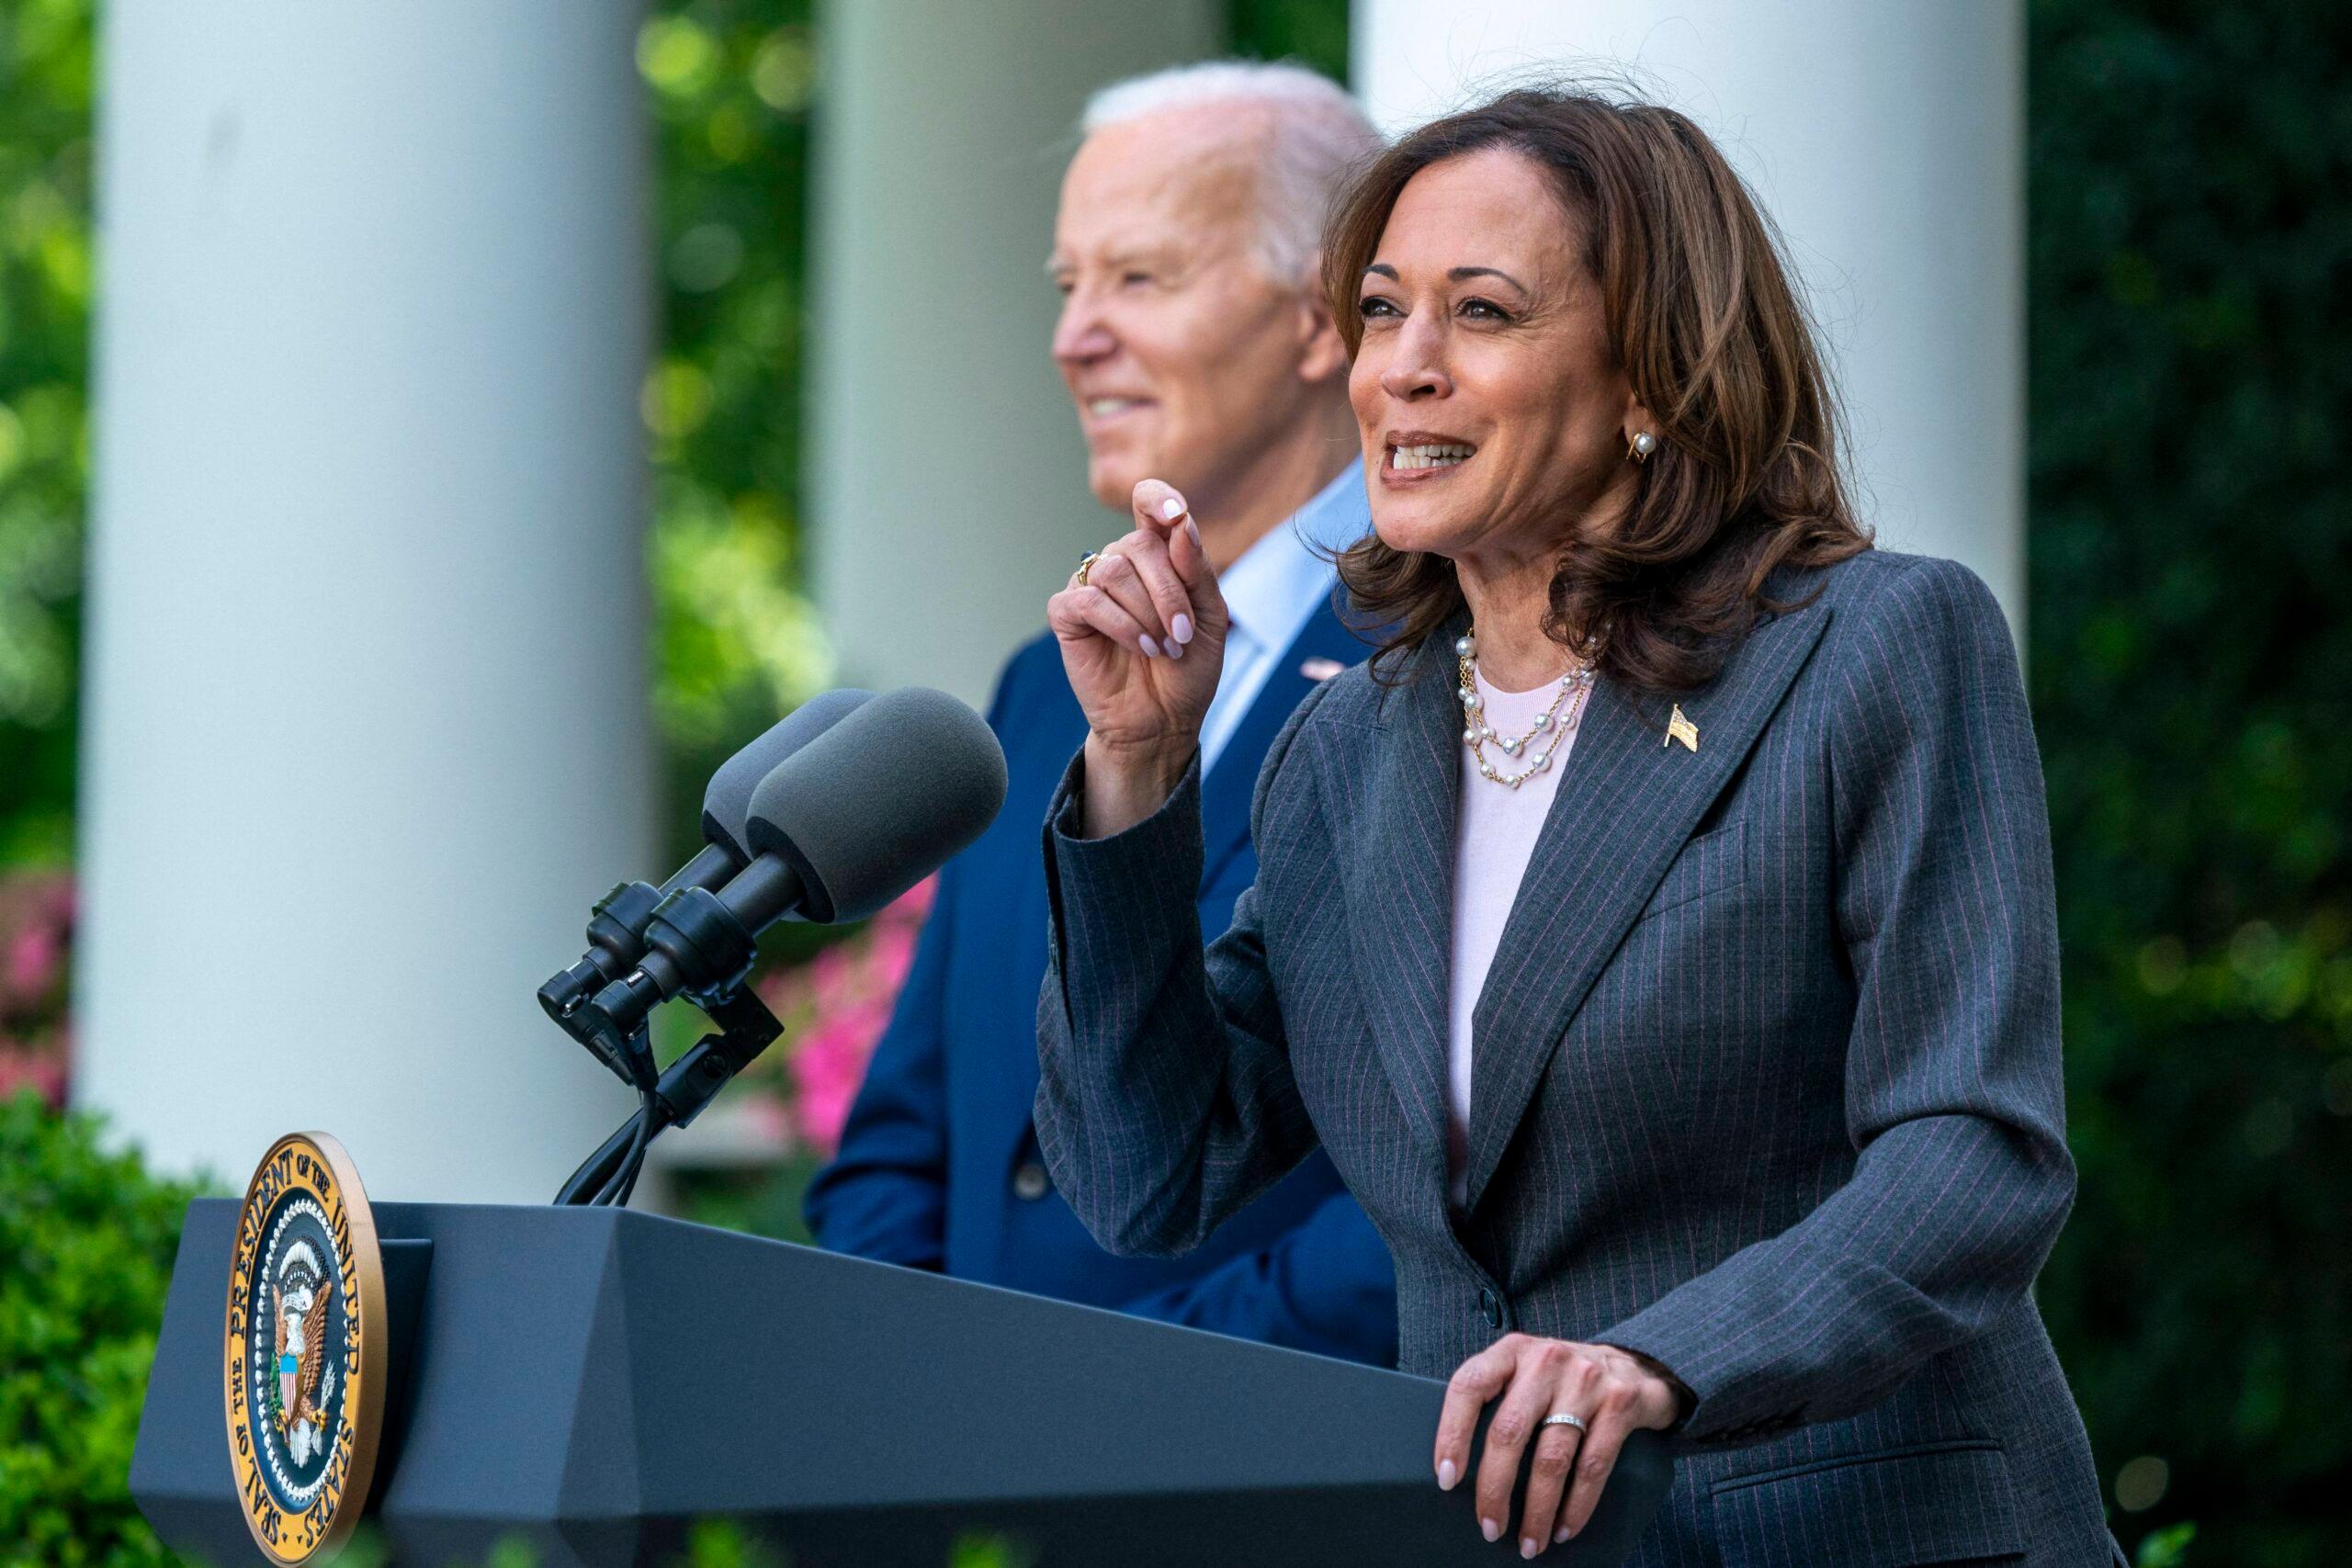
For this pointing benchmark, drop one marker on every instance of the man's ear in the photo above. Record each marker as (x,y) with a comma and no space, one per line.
(1322,352)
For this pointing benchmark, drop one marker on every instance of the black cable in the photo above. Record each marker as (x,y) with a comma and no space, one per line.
(623,1181)
(629,1187)
(648,1123)
(598,1168)
(746,1028)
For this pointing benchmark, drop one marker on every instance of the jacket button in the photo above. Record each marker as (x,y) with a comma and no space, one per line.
(1030,1182)
(1490,1307)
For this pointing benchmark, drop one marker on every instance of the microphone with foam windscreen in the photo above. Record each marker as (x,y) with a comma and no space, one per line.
(901,789)
(838,829)
(618,921)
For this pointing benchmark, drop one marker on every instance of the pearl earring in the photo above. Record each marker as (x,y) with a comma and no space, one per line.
(1641,446)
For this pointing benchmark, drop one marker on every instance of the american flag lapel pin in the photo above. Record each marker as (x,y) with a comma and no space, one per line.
(1680,728)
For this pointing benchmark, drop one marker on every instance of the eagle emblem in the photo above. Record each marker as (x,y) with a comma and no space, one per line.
(299,1312)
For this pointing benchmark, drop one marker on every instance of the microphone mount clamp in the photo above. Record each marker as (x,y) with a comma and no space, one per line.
(745,1028)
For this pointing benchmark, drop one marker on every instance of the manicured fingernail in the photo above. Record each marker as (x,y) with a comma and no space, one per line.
(1494,1531)
(1193,526)
(1446,1476)
(1172,508)
(1561,1534)
(1175,649)
(1182,626)
(1528,1546)
(1149,647)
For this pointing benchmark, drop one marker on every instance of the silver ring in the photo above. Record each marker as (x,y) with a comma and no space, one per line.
(1564,1419)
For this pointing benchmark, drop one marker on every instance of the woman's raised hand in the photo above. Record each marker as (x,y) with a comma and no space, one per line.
(1611,1393)
(1142,640)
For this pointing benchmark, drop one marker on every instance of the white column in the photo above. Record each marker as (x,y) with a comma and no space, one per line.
(946,474)
(367,723)
(1886,139)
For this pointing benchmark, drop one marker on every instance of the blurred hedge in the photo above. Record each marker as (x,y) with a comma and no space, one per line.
(87,1240)
(45,176)
(2190,558)
(730,88)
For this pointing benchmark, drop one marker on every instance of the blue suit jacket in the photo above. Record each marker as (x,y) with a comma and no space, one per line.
(939,1165)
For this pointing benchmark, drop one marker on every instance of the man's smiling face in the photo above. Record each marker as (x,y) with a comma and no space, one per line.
(1182,355)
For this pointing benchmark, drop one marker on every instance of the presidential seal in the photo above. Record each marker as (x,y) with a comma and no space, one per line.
(304,1357)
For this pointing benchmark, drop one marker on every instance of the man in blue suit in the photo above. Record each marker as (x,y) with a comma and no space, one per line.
(1197,348)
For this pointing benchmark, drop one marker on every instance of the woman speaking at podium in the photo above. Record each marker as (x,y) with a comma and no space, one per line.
(1658,933)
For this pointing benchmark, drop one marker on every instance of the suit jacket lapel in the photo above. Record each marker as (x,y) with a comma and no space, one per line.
(1226,793)
(1399,878)
(1626,803)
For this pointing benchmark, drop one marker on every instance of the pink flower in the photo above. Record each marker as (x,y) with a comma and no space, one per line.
(36,943)
(913,904)
(42,1071)
(828,1063)
(835,1009)
(894,954)
(833,975)
(33,963)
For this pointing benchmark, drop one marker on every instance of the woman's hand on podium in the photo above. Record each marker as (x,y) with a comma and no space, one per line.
(1142,630)
(1609,1392)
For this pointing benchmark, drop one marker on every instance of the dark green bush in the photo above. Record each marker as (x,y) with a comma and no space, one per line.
(2190,547)
(86,1242)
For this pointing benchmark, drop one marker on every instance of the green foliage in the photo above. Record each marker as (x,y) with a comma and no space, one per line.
(2166,1548)
(45,173)
(987,1548)
(88,1238)
(1312,32)
(716,1543)
(2191,281)
(728,83)
(512,1552)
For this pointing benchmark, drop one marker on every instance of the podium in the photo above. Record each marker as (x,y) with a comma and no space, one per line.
(596,1381)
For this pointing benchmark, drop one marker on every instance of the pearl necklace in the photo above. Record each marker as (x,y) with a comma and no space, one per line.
(1550,728)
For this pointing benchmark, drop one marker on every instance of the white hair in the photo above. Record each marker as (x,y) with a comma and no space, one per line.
(1320,137)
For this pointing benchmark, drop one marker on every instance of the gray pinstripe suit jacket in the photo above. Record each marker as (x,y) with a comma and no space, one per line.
(1767,1079)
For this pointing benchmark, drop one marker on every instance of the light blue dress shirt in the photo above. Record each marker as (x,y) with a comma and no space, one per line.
(1272,592)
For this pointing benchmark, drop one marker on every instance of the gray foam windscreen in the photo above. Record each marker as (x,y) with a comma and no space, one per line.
(890,794)
(727,802)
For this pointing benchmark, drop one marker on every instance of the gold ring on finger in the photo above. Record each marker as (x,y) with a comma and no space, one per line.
(1086,563)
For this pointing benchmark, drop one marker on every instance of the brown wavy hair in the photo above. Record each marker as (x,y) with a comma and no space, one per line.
(1700,315)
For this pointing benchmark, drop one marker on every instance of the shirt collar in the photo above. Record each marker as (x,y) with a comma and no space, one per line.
(1272,590)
